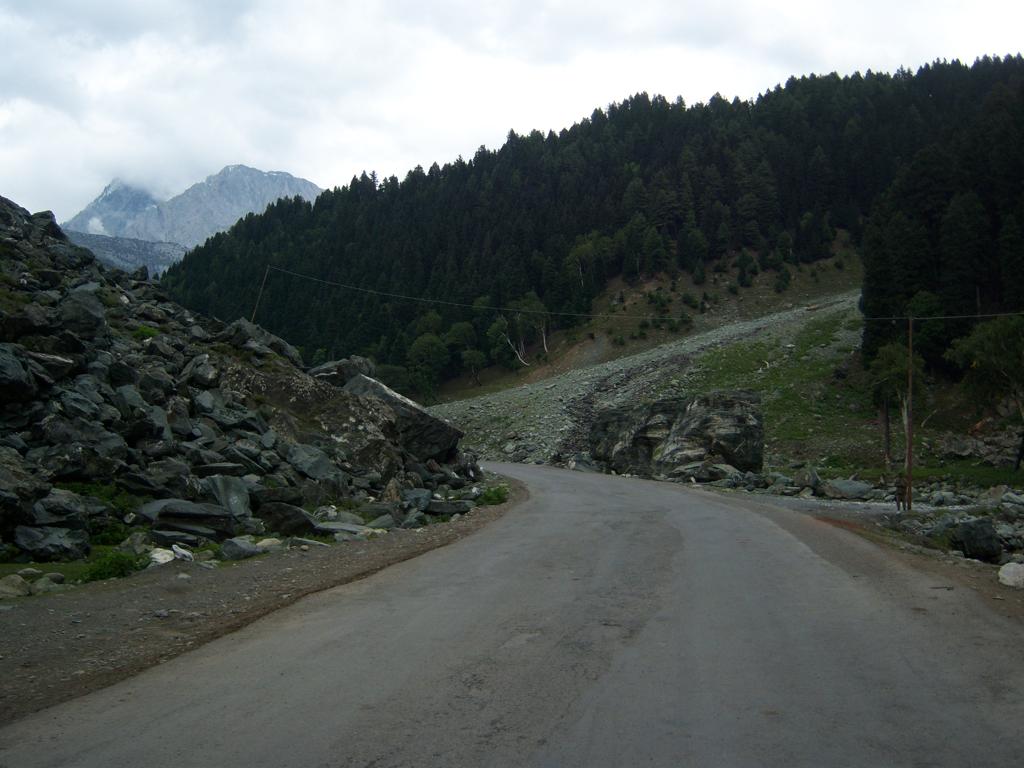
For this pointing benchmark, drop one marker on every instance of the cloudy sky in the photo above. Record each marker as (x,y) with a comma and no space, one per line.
(164,93)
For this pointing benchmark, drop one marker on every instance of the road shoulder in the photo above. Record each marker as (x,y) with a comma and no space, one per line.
(57,647)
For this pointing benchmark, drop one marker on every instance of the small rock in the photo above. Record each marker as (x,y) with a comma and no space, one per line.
(238,548)
(14,586)
(160,556)
(1012,575)
(28,573)
(43,585)
(136,544)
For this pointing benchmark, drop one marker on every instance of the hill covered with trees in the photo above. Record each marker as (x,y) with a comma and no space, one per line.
(923,169)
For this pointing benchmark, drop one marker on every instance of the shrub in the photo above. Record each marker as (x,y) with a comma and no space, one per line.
(782,280)
(497,494)
(111,533)
(112,565)
(144,332)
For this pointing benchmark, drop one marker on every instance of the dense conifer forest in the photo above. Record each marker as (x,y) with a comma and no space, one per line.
(925,171)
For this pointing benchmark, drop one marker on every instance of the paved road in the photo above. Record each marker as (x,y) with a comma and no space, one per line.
(605,622)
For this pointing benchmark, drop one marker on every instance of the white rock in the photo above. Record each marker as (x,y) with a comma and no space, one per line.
(161,556)
(1012,575)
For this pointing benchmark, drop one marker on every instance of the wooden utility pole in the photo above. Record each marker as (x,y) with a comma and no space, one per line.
(260,294)
(910,413)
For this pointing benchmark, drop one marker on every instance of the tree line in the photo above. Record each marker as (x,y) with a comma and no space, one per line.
(923,169)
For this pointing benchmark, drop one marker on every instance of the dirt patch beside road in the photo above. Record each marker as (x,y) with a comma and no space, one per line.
(60,646)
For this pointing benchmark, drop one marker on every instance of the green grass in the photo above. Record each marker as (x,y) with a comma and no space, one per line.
(811,415)
(73,571)
(144,332)
(795,383)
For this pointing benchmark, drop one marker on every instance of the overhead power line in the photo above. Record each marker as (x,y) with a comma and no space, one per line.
(981,316)
(442,302)
(591,315)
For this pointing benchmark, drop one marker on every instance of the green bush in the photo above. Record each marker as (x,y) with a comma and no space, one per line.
(109,534)
(112,565)
(144,332)
(497,494)
(782,280)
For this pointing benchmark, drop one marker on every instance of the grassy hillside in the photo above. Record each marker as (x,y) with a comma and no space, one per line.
(675,311)
(818,406)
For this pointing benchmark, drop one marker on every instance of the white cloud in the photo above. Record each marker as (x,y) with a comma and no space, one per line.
(164,93)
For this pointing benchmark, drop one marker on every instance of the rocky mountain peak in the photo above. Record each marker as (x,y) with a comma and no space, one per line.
(210,206)
(110,213)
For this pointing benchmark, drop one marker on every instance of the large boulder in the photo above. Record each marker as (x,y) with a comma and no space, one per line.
(46,543)
(16,382)
(82,312)
(245,335)
(977,539)
(422,435)
(341,372)
(846,490)
(663,436)
(209,521)
(60,509)
(231,493)
(311,461)
(286,518)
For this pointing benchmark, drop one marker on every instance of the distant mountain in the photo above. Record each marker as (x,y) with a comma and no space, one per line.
(118,205)
(130,254)
(212,205)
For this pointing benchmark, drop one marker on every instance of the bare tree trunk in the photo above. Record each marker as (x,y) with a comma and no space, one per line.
(515,351)
(544,336)
(905,415)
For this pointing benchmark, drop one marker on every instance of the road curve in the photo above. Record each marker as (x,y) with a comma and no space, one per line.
(604,622)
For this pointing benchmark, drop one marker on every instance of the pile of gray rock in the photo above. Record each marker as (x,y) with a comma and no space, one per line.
(991,529)
(703,437)
(122,409)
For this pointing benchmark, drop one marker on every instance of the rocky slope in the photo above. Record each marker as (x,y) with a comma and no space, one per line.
(550,420)
(126,416)
(124,213)
(128,254)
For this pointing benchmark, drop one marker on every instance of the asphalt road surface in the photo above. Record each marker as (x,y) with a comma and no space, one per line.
(604,622)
